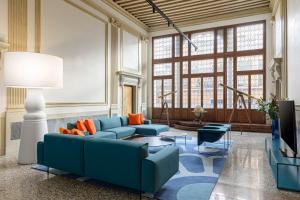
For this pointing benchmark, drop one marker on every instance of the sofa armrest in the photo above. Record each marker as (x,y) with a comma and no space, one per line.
(40,153)
(147,121)
(158,168)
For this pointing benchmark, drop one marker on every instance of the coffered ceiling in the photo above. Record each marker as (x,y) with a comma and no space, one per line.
(189,12)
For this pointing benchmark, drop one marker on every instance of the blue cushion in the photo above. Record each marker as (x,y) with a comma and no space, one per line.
(97,124)
(107,135)
(124,121)
(122,132)
(70,126)
(109,123)
(64,152)
(115,161)
(150,129)
(210,134)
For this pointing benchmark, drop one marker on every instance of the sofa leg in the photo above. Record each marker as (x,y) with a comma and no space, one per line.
(48,171)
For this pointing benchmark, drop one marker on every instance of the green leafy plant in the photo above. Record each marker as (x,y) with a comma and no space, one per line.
(269,107)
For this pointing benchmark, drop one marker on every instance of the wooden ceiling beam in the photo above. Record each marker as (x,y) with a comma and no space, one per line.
(195,16)
(196,6)
(175,16)
(163,5)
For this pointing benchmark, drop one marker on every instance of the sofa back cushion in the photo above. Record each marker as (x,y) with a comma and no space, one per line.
(97,124)
(109,123)
(124,120)
(116,161)
(70,126)
(64,152)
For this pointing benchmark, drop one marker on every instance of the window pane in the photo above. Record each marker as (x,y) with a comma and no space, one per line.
(167,89)
(257,85)
(157,89)
(229,39)
(220,65)
(185,67)
(242,85)
(185,93)
(250,37)
(204,42)
(202,66)
(195,92)
(162,48)
(163,69)
(229,82)
(177,46)
(208,92)
(185,48)
(177,85)
(220,41)
(250,63)
(220,92)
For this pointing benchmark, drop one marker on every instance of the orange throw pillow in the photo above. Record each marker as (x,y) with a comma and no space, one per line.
(80,125)
(134,119)
(90,126)
(64,131)
(77,132)
(142,118)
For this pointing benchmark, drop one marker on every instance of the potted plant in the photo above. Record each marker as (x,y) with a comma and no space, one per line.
(271,109)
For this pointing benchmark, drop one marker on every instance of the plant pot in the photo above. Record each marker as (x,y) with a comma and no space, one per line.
(275,129)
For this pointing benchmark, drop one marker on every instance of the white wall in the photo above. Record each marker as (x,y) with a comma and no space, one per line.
(293,50)
(269,46)
(130,51)
(80,40)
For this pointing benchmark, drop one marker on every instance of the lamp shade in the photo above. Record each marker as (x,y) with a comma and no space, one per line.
(32,70)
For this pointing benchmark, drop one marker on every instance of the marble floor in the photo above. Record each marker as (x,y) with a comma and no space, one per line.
(246,176)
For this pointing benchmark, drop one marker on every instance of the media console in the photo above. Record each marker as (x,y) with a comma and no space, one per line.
(285,170)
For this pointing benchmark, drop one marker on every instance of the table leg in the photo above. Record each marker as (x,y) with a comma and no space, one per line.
(185,140)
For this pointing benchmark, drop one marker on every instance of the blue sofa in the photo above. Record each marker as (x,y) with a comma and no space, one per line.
(117,128)
(121,162)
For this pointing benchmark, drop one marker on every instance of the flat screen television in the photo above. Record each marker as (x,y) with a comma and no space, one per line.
(288,129)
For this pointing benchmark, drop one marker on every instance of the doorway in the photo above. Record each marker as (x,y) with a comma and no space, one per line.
(128,99)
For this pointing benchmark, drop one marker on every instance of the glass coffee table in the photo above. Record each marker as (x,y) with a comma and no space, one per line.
(153,141)
(174,135)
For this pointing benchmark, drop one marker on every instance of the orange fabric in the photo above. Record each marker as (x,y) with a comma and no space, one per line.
(77,132)
(142,118)
(64,131)
(80,125)
(134,119)
(90,126)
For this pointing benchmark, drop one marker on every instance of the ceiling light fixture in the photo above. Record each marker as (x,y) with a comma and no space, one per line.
(170,22)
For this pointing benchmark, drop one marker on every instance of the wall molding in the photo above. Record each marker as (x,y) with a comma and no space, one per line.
(38,46)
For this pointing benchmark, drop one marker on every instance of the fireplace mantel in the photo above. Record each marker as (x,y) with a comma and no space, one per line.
(128,78)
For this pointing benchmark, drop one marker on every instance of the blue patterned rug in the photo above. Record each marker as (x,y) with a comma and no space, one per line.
(197,176)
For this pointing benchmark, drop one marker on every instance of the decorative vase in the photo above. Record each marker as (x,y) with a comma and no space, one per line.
(275,129)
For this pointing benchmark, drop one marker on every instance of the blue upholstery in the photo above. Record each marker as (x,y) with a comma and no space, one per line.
(227,126)
(107,135)
(210,134)
(110,123)
(147,121)
(119,162)
(150,129)
(122,131)
(158,168)
(97,124)
(64,152)
(40,153)
(70,126)
(124,121)
(116,161)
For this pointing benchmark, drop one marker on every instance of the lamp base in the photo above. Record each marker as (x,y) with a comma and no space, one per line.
(34,126)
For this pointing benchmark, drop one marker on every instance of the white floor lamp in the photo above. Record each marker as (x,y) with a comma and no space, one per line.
(34,71)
